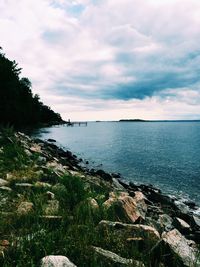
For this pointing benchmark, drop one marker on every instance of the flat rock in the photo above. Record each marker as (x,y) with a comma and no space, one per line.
(56,261)
(109,258)
(180,247)
(138,230)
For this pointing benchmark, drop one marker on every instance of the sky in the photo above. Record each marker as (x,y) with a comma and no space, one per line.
(108,59)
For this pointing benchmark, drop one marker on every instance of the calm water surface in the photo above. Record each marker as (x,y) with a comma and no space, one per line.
(165,154)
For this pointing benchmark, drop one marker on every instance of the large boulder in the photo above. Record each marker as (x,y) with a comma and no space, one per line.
(180,248)
(110,259)
(126,208)
(131,230)
(56,261)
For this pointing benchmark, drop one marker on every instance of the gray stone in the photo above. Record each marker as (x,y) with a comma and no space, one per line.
(109,258)
(179,246)
(56,261)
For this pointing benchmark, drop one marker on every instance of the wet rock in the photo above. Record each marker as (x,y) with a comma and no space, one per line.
(56,261)
(179,246)
(25,208)
(104,175)
(126,208)
(51,140)
(3,182)
(110,259)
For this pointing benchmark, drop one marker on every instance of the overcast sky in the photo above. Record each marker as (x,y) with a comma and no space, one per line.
(108,59)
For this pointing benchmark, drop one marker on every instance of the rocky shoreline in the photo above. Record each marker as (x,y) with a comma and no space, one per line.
(136,217)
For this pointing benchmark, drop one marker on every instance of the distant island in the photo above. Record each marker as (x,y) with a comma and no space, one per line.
(132,120)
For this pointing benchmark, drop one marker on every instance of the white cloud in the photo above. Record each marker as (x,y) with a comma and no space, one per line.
(77,49)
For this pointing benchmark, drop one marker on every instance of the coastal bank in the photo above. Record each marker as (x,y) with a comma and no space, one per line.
(56,212)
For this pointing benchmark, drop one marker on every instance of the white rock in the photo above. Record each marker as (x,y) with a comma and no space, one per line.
(56,261)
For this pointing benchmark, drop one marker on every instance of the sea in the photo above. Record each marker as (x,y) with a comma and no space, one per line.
(165,154)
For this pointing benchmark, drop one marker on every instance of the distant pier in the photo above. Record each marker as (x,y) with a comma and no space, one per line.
(75,123)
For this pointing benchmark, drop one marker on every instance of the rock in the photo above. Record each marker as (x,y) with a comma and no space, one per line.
(50,195)
(3,182)
(126,208)
(52,207)
(92,203)
(42,185)
(137,230)
(27,152)
(108,258)
(51,140)
(179,246)
(35,148)
(165,222)
(25,208)
(24,185)
(4,244)
(5,189)
(181,225)
(106,176)
(117,185)
(56,261)
(41,159)
(196,221)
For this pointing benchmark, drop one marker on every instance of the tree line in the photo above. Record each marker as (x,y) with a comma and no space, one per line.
(18,105)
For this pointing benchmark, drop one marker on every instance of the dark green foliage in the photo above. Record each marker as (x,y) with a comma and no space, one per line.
(18,106)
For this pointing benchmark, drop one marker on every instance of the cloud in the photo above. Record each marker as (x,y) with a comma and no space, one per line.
(109,51)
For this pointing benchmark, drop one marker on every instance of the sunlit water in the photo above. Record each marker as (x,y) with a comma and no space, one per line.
(165,154)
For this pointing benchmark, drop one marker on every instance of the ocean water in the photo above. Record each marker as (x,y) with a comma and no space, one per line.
(164,154)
